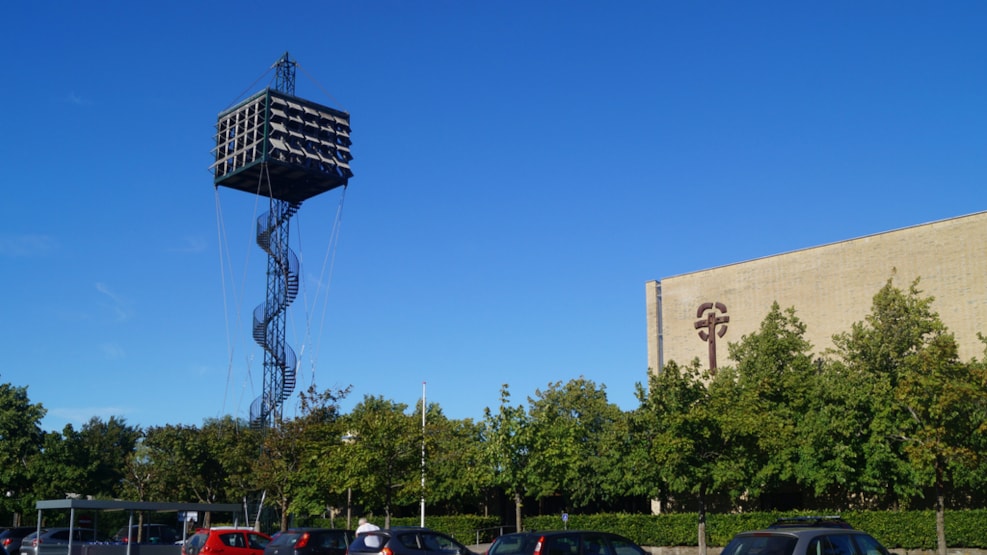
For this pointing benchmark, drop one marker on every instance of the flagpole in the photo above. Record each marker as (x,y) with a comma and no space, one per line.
(423,456)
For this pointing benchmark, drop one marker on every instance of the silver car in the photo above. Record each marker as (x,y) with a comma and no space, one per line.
(806,539)
(54,540)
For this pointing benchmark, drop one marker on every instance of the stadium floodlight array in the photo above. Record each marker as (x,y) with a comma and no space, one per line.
(303,147)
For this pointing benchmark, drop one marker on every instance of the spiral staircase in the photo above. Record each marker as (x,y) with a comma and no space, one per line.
(269,316)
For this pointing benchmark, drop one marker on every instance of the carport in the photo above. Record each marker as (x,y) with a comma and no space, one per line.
(130,506)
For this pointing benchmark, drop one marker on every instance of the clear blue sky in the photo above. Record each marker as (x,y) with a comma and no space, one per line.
(522,169)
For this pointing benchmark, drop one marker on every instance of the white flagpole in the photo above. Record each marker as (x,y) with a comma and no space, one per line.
(423,456)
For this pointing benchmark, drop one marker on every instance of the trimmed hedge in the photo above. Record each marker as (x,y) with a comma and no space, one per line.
(896,530)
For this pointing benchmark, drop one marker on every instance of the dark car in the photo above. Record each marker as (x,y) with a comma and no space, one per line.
(10,539)
(310,541)
(147,533)
(407,541)
(228,540)
(564,542)
(806,540)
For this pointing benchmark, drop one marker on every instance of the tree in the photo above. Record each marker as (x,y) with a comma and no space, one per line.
(680,419)
(832,432)
(455,473)
(775,373)
(299,462)
(22,438)
(58,469)
(507,448)
(277,470)
(384,453)
(104,448)
(177,462)
(230,447)
(931,420)
(874,352)
(574,447)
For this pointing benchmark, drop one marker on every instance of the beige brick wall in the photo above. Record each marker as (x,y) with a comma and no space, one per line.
(831,287)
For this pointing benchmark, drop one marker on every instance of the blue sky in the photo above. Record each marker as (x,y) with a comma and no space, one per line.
(521,170)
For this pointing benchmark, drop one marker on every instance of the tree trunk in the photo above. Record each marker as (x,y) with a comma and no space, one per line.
(284,513)
(702,520)
(517,511)
(940,509)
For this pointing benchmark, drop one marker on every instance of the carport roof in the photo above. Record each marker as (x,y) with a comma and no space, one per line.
(114,505)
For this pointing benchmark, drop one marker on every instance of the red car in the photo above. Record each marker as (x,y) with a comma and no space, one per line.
(226,541)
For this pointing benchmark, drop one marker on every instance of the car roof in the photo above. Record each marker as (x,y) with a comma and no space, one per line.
(811,521)
(802,531)
(555,533)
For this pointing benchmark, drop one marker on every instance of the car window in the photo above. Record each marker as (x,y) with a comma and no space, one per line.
(833,544)
(595,544)
(508,545)
(257,541)
(439,543)
(761,545)
(409,541)
(867,545)
(61,535)
(285,538)
(332,540)
(566,544)
(232,539)
(624,546)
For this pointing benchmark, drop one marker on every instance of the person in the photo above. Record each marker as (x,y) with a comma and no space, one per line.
(365,526)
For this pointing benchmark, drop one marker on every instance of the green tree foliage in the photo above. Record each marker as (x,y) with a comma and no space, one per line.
(507,448)
(384,454)
(57,470)
(574,446)
(179,461)
(773,377)
(22,439)
(230,447)
(928,416)
(455,474)
(278,468)
(876,351)
(298,465)
(104,449)
(832,433)
(682,419)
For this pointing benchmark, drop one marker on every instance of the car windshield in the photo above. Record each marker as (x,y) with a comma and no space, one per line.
(761,544)
(514,544)
(286,538)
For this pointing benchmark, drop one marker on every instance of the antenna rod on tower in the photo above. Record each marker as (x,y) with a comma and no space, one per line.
(285,71)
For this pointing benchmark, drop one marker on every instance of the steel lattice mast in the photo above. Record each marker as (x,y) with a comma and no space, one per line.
(287,149)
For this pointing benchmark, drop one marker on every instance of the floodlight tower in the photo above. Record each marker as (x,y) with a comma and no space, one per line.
(286,149)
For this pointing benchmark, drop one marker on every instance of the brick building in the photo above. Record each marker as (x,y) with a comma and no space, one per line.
(831,287)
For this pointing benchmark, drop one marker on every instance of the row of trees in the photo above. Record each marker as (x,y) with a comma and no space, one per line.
(889,418)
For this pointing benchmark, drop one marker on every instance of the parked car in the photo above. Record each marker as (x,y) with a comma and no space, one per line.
(407,541)
(310,541)
(147,533)
(564,542)
(10,538)
(804,540)
(57,538)
(226,541)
